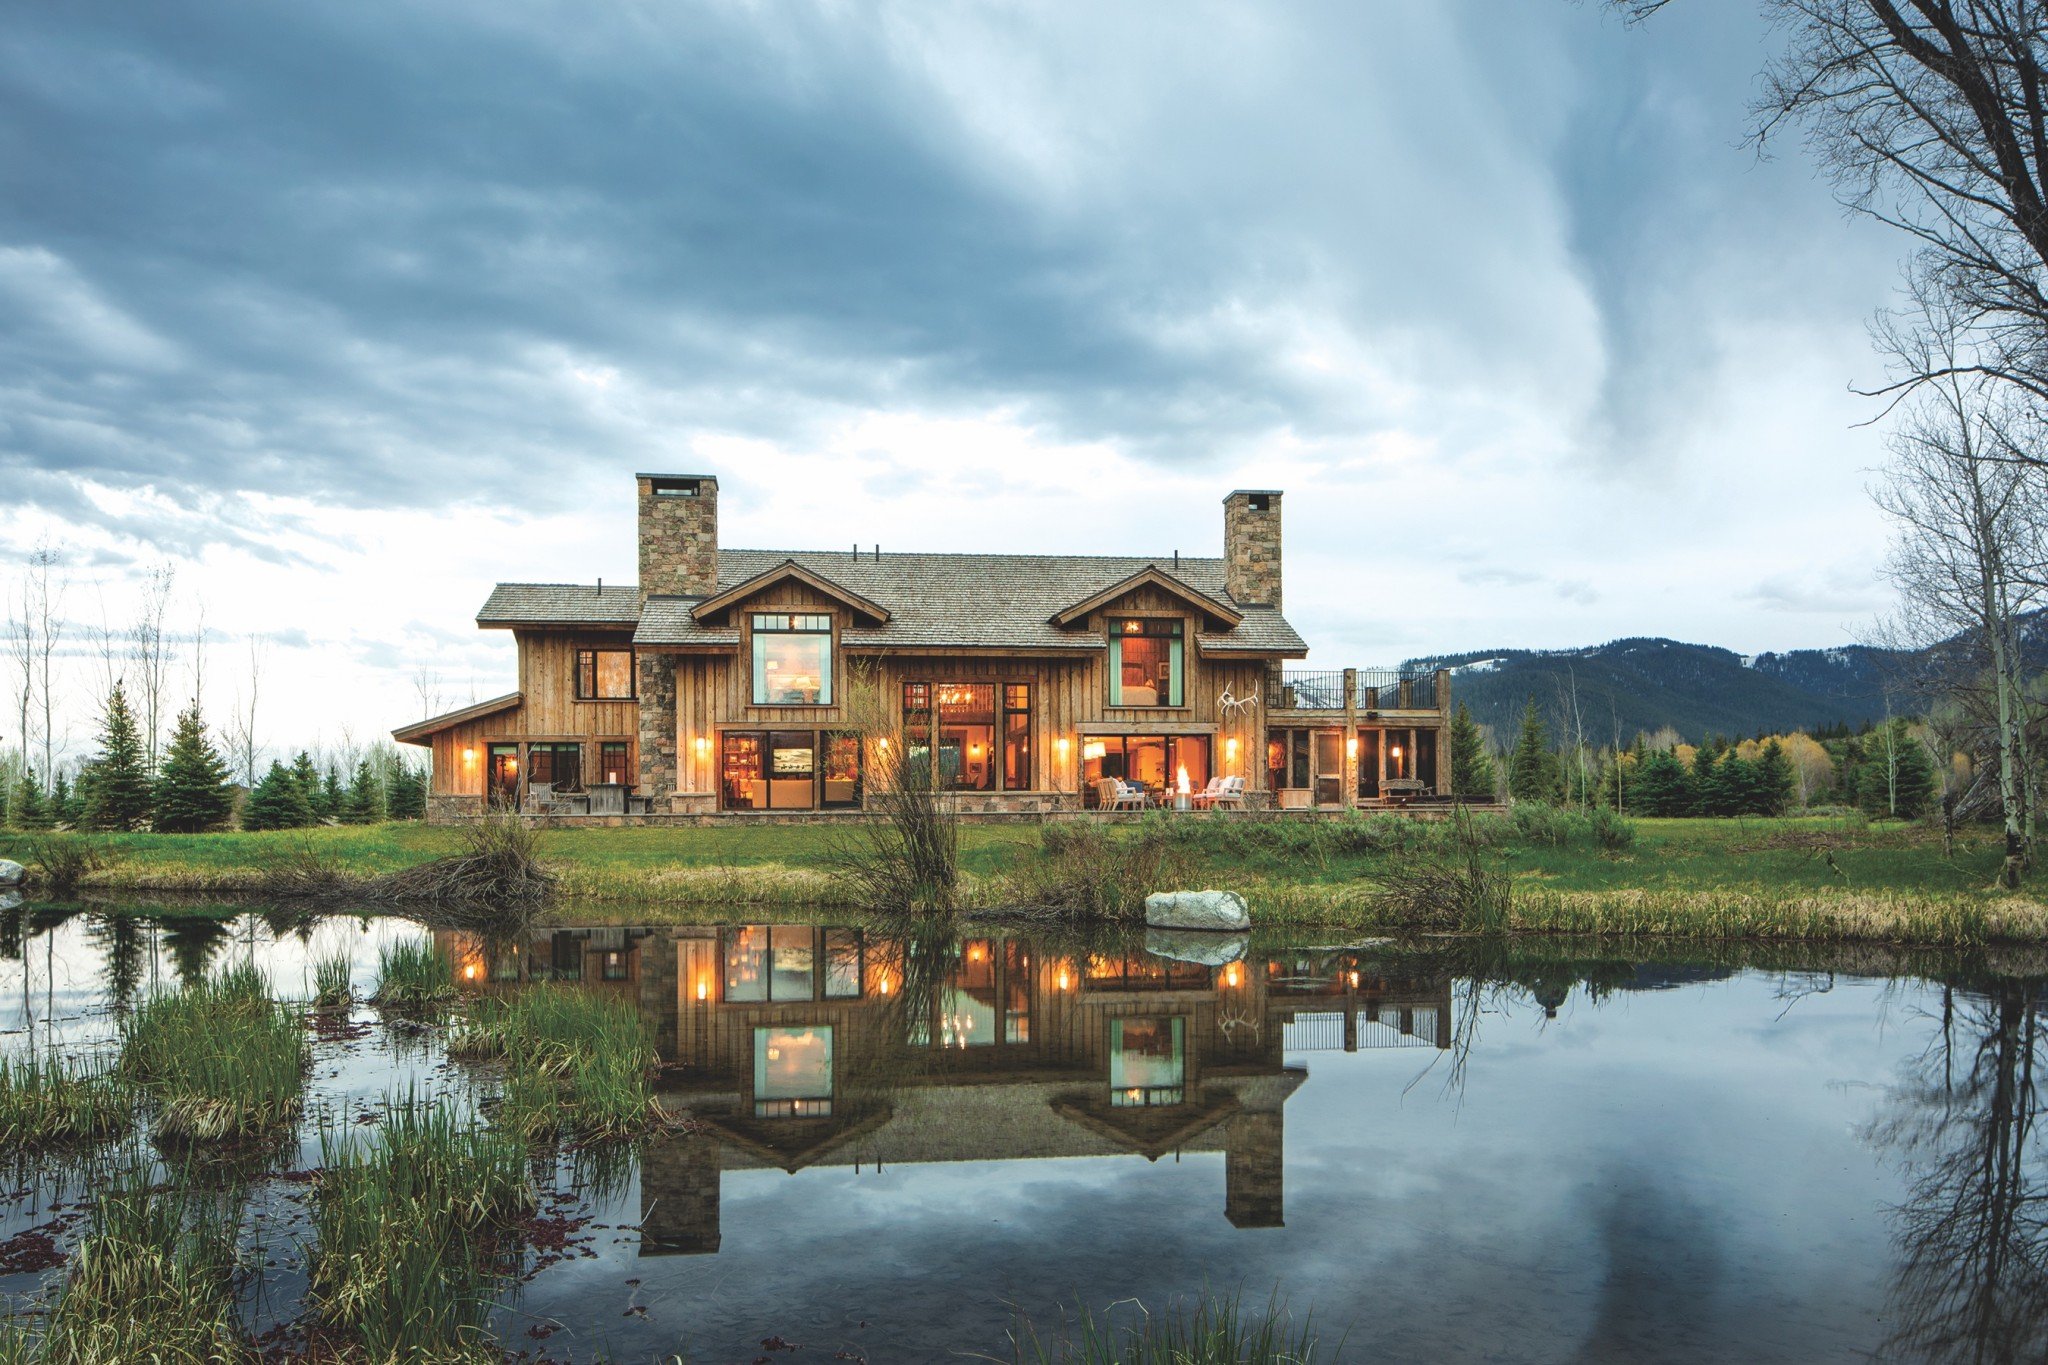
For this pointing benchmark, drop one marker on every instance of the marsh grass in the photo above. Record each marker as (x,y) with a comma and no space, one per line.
(47,1102)
(1084,871)
(219,1059)
(1209,1331)
(152,1280)
(333,985)
(413,976)
(575,1063)
(413,1233)
(64,858)
(1455,888)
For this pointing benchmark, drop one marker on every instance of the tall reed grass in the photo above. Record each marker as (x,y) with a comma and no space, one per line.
(413,975)
(219,1059)
(575,1062)
(1209,1331)
(152,1280)
(48,1101)
(333,983)
(412,1229)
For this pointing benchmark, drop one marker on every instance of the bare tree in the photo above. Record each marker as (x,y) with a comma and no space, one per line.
(427,683)
(35,634)
(1931,116)
(241,726)
(1971,542)
(150,650)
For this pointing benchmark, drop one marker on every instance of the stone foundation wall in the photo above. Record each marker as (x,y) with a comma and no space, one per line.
(446,809)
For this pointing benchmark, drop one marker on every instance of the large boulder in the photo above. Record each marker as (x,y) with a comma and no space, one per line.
(10,900)
(12,873)
(1204,950)
(1221,912)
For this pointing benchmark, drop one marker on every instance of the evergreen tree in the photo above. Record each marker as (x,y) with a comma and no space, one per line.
(1532,768)
(364,803)
(405,791)
(63,801)
(308,777)
(328,802)
(193,794)
(115,783)
(1706,788)
(30,810)
(278,802)
(1662,786)
(1472,774)
(1732,788)
(1780,783)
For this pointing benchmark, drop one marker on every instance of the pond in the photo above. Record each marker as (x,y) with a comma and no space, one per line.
(896,1147)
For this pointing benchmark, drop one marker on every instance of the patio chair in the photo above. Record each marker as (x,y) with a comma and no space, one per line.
(1112,794)
(1230,793)
(1207,795)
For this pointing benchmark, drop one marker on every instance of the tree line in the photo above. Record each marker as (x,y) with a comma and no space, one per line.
(1888,770)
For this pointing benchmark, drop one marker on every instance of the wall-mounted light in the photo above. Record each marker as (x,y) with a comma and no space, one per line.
(1351,747)
(703,989)
(469,754)
(1063,743)
(703,746)
(1230,748)
(1394,753)
(1233,975)
(1354,981)
(1063,981)
(883,745)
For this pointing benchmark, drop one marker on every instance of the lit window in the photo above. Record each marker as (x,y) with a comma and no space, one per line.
(1145,662)
(604,675)
(792,660)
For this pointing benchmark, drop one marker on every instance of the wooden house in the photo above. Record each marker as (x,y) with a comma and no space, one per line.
(719,684)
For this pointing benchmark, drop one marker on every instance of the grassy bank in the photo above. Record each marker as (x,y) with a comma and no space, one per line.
(1799,878)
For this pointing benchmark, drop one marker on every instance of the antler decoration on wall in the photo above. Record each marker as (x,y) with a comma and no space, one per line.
(1240,706)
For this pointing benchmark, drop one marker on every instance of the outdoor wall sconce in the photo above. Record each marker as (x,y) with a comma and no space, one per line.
(1395,753)
(1354,981)
(1064,981)
(1233,975)
(1230,748)
(883,985)
(1351,747)
(703,990)
(1064,744)
(469,755)
(703,746)
(883,745)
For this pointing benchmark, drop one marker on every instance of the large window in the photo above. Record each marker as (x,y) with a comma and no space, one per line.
(615,761)
(981,731)
(1154,762)
(789,770)
(792,1073)
(559,764)
(604,675)
(792,660)
(1147,1062)
(1145,662)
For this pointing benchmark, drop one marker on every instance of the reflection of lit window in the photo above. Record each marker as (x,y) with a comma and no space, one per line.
(763,963)
(792,1072)
(842,964)
(615,967)
(1147,1062)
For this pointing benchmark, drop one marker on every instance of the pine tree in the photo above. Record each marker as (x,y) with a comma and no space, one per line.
(1780,784)
(1662,786)
(64,804)
(1472,775)
(1532,769)
(332,797)
(30,810)
(364,803)
(308,777)
(405,791)
(1897,777)
(193,794)
(278,802)
(115,784)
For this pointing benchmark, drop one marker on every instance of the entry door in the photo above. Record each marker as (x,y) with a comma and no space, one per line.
(1329,760)
(502,777)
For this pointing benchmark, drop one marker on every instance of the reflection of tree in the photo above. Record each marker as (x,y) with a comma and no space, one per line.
(192,941)
(1972,1282)
(10,933)
(119,937)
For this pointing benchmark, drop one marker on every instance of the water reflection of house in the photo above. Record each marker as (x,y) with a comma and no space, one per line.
(804,1046)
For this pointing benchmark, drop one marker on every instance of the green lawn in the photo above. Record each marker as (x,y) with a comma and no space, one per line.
(1734,876)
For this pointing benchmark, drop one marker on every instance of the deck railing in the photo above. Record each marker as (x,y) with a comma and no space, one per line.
(1375,689)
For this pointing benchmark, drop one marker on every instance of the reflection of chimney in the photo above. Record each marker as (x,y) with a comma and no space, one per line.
(678,535)
(679,1197)
(1252,1171)
(1251,548)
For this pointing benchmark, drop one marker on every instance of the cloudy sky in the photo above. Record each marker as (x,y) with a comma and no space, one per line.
(349,309)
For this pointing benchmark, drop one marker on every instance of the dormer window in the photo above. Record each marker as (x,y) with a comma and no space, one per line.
(792,660)
(1146,661)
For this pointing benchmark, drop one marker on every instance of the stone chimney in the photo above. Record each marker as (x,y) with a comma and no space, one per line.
(678,535)
(1251,547)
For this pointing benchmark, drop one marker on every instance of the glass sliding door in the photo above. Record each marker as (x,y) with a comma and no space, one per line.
(502,777)
(1329,774)
(967,736)
(792,769)
(743,780)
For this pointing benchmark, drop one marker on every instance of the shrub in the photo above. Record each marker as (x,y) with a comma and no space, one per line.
(1085,870)
(1611,831)
(1541,824)
(63,860)
(1454,889)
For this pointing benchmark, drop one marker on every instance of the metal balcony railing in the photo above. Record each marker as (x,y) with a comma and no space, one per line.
(1377,689)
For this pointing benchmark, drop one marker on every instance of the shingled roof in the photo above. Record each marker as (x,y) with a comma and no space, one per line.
(964,601)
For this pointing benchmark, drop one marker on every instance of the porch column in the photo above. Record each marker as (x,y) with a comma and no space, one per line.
(1350,739)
